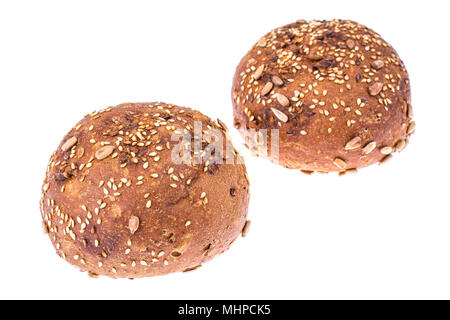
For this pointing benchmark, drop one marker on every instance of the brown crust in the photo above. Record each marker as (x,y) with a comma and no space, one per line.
(331,82)
(95,203)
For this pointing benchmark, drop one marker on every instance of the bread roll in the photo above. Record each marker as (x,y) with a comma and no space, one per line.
(338,93)
(114,203)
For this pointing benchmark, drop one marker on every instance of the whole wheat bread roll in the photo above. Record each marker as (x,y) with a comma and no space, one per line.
(338,93)
(115,204)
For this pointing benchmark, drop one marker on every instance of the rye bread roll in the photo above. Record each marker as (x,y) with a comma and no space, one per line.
(114,203)
(338,93)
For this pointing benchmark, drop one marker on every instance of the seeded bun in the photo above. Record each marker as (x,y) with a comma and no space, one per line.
(115,204)
(338,93)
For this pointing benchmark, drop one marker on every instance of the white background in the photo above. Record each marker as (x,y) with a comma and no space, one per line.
(384,233)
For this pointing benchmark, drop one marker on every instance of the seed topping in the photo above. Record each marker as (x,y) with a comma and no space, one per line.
(133,224)
(411,127)
(246,228)
(375,88)
(353,143)
(280,115)
(267,88)
(400,145)
(369,147)
(262,43)
(277,81)
(350,43)
(69,143)
(340,163)
(386,150)
(386,158)
(282,100)
(104,152)
(259,71)
(377,64)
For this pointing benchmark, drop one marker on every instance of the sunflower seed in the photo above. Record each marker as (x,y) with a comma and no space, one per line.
(341,164)
(104,152)
(411,127)
(351,171)
(133,224)
(386,159)
(69,143)
(377,64)
(350,43)
(259,71)
(400,145)
(267,88)
(192,268)
(261,43)
(277,81)
(375,88)
(409,111)
(369,147)
(386,150)
(353,143)
(45,228)
(246,228)
(282,100)
(280,115)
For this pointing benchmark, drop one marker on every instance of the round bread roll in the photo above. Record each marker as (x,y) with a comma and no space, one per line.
(338,93)
(115,203)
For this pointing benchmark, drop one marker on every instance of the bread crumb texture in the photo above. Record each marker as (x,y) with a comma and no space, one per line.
(338,93)
(115,204)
